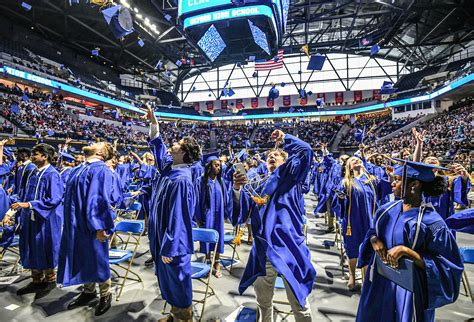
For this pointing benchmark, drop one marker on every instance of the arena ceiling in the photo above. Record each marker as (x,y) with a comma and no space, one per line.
(414,33)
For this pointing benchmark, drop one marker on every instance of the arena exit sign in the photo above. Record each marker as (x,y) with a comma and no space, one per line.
(189,6)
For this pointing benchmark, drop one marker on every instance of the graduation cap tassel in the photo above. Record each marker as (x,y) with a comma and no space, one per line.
(348,229)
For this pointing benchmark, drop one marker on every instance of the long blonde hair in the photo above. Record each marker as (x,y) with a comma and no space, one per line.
(348,181)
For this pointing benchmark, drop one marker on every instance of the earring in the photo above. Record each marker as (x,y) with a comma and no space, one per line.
(412,190)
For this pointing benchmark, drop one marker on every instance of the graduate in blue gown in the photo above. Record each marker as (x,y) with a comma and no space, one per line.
(41,221)
(4,173)
(172,208)
(279,244)
(24,170)
(408,228)
(213,199)
(145,174)
(358,197)
(66,165)
(88,222)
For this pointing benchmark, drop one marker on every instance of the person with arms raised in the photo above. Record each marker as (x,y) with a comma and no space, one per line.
(173,203)
(279,246)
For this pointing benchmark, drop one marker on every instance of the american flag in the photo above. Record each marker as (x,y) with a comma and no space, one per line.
(270,64)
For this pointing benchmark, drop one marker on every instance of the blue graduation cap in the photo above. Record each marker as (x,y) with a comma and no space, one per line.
(359,135)
(179,63)
(374,49)
(247,144)
(387,88)
(320,102)
(255,74)
(251,58)
(26,6)
(242,155)
(141,43)
(416,170)
(66,157)
(282,84)
(316,62)
(274,93)
(95,52)
(302,93)
(7,152)
(159,65)
(119,20)
(206,158)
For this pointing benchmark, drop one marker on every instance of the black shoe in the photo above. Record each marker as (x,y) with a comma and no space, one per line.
(330,230)
(47,288)
(104,305)
(149,261)
(82,300)
(30,288)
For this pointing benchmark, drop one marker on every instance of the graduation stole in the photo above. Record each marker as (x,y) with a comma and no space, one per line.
(349,228)
(269,184)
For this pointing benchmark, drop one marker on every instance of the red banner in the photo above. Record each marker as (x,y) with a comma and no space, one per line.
(197,106)
(210,106)
(239,104)
(254,102)
(376,94)
(224,104)
(270,102)
(339,97)
(303,100)
(286,100)
(357,96)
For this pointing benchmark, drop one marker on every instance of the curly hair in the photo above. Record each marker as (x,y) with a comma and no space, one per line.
(191,149)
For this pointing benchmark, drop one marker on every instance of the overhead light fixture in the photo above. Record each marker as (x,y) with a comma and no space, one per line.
(135,9)
(125,3)
(139,16)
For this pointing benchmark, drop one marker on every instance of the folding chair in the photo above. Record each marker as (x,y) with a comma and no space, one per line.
(132,211)
(134,231)
(12,248)
(467,254)
(230,240)
(200,270)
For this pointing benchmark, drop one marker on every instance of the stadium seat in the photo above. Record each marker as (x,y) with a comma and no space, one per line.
(133,229)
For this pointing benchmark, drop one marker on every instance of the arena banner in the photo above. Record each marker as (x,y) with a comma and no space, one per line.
(339,97)
(270,102)
(357,96)
(286,100)
(197,106)
(254,102)
(210,105)
(376,94)
(224,104)
(239,104)
(303,100)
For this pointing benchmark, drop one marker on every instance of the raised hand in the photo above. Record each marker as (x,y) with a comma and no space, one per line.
(419,136)
(278,136)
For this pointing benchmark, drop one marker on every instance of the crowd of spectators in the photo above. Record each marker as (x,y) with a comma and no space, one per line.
(449,136)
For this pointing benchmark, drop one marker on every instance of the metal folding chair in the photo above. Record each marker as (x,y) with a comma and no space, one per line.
(230,240)
(200,270)
(133,229)
(11,247)
(467,254)
(131,212)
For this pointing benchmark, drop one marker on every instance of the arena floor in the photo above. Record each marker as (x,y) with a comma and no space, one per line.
(330,299)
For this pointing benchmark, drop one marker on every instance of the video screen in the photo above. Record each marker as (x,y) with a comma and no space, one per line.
(259,37)
(212,43)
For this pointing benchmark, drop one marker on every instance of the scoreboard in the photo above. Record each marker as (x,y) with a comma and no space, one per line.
(242,17)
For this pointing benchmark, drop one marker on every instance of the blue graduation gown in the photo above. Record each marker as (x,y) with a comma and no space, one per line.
(277,225)
(212,216)
(444,204)
(437,285)
(65,175)
(21,177)
(146,174)
(384,189)
(361,208)
(4,200)
(40,227)
(124,172)
(87,209)
(172,208)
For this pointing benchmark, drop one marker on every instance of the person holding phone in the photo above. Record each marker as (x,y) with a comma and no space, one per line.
(279,245)
(409,228)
